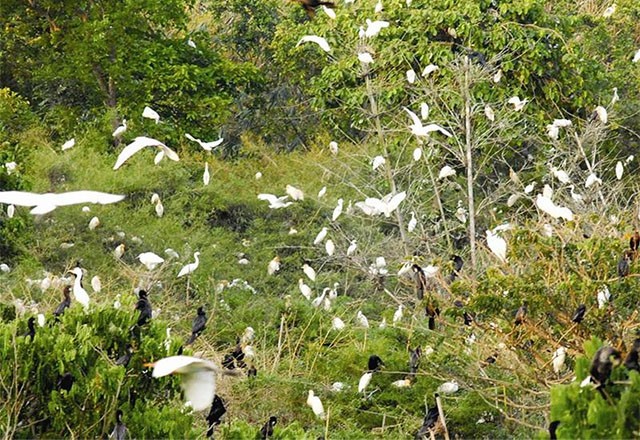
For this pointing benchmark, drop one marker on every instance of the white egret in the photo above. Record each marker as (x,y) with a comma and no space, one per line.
(11,210)
(138,144)
(413,222)
(119,251)
(497,76)
(373,206)
(198,377)
(69,144)
(591,180)
(529,188)
(206,176)
(558,359)
(636,56)
(397,315)
(446,171)
(274,265)
(602,114)
(337,210)
(206,145)
(377,162)
(333,147)
(603,297)
(320,299)
(41,320)
(191,43)
(513,198)
(575,196)
(424,110)
(411,76)
(191,267)
(309,271)
(321,236)
(275,202)
(96,284)
(619,170)
(378,8)
(352,247)
(315,39)
(553,131)
(158,157)
(424,130)
(518,104)
(10,167)
(429,70)
(120,130)
(149,113)
(258,175)
(497,245)
(150,260)
(337,324)
(330,247)
(45,203)
(546,205)
(171,253)
(489,113)
(561,175)
(365,57)
(304,289)
(417,154)
(383,323)
(316,405)
(294,193)
(448,387)
(94,223)
(365,379)
(609,11)
(79,293)
(629,159)
(362,320)
(322,192)
(402,383)
(336,387)
(374,27)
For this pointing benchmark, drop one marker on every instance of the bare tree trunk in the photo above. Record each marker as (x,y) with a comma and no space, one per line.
(469,165)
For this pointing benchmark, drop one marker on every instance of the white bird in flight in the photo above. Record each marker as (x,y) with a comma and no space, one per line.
(274,201)
(150,113)
(374,27)
(546,205)
(138,144)
(373,206)
(45,203)
(206,145)
(315,39)
(424,130)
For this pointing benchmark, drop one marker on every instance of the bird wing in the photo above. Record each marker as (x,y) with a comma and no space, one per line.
(191,138)
(23,198)
(173,364)
(268,197)
(211,145)
(416,121)
(315,39)
(75,197)
(199,387)
(435,127)
(138,144)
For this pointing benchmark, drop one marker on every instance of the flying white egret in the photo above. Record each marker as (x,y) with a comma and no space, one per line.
(315,39)
(149,113)
(619,170)
(497,245)
(274,201)
(561,175)
(79,293)
(198,377)
(150,260)
(417,154)
(94,223)
(191,267)
(424,130)
(45,203)
(374,27)
(206,177)
(373,206)
(448,387)
(206,145)
(158,157)
(304,289)
(446,171)
(365,57)
(365,379)
(120,130)
(377,162)
(411,76)
(69,144)
(321,236)
(322,192)
(138,144)
(294,193)
(429,70)
(316,405)
(337,210)
(489,113)
(558,359)
(96,284)
(330,247)
(337,324)
(518,104)
(309,271)
(412,223)
(352,247)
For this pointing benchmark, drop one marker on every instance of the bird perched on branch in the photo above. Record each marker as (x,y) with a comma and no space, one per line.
(421,280)
(120,431)
(578,315)
(31,325)
(430,426)
(198,326)
(634,242)
(521,314)
(623,264)
(631,361)
(126,357)
(144,307)
(66,302)
(432,311)
(310,6)
(602,364)
(414,361)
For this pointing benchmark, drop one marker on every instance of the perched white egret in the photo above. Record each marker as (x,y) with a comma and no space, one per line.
(159,208)
(274,265)
(411,76)
(119,251)
(320,299)
(41,320)
(79,293)
(402,383)
(497,76)
(378,8)
(11,210)
(629,159)
(258,175)
(191,267)
(497,245)
(337,210)
(397,315)
(429,70)
(558,359)
(529,188)
(274,201)
(413,222)
(636,56)
(150,260)
(609,11)
(591,180)
(248,336)
(424,111)
(45,203)
(309,271)
(336,387)
(603,297)
(352,247)
(602,114)
(294,193)
(383,323)
(561,175)
(330,247)
(321,236)
(448,387)
(69,144)
(304,289)
(518,104)
(315,39)
(138,144)
(373,206)
(198,377)
(365,379)
(562,123)
(362,320)
(333,147)
(553,131)
(171,253)
(96,284)
(322,192)
(377,162)
(337,324)
(546,205)
(374,27)
(489,113)
(461,212)
(206,145)
(424,130)
(575,196)
(316,405)
(149,113)
(619,170)
(446,171)
(417,154)
(191,43)
(94,223)
(206,176)
(120,130)
(365,57)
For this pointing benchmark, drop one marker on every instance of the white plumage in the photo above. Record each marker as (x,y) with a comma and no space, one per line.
(412,222)
(316,405)
(118,251)
(309,272)
(320,236)
(603,297)
(304,289)
(558,359)
(518,104)
(448,387)
(424,130)
(377,162)
(411,76)
(362,320)
(373,206)
(417,154)
(602,114)
(337,210)
(489,113)
(150,113)
(374,27)
(294,193)
(150,260)
(330,247)
(397,316)
(561,175)
(69,144)
(352,247)
(206,177)
(120,130)
(45,203)
(96,284)
(315,39)
(274,201)
(138,144)
(365,58)
(206,145)
(79,293)
(189,268)
(619,170)
(546,205)
(591,180)
(497,245)
(322,192)
(429,70)
(94,223)
(274,265)
(446,171)
(365,379)
(337,324)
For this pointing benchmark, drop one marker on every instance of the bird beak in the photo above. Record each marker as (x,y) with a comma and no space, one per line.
(149,364)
